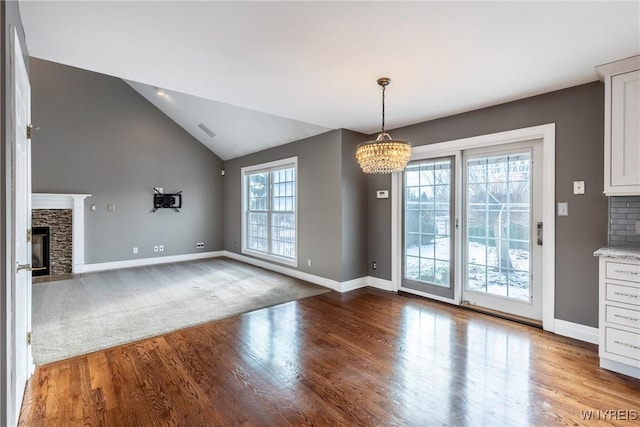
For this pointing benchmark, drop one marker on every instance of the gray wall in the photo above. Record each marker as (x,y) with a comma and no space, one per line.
(322,216)
(354,209)
(318,201)
(99,136)
(9,16)
(578,113)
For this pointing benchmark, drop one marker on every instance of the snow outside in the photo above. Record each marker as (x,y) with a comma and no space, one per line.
(497,226)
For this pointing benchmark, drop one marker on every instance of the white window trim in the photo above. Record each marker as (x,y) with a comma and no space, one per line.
(265,167)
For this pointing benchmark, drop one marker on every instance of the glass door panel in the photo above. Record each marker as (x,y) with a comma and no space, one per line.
(427,234)
(499,208)
(498,225)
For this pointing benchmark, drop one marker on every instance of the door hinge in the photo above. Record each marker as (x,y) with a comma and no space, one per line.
(29,235)
(28,338)
(30,129)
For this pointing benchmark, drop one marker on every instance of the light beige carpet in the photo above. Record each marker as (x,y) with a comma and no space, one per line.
(99,310)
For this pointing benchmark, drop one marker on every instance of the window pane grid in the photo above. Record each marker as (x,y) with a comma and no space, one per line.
(271,216)
(427,217)
(498,225)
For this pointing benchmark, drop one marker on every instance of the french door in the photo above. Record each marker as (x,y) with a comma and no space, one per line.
(470,232)
(428,238)
(502,233)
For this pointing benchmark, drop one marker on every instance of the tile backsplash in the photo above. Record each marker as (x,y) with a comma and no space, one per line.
(624,211)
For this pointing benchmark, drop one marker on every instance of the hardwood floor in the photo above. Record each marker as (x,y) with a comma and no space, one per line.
(366,357)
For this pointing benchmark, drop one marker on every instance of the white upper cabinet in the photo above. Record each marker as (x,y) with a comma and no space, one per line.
(621,126)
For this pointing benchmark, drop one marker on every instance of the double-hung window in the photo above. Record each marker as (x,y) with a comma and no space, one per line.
(269,220)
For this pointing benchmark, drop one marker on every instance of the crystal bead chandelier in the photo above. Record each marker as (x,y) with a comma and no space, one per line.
(384,155)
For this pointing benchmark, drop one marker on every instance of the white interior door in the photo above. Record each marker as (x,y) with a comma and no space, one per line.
(21,363)
(502,254)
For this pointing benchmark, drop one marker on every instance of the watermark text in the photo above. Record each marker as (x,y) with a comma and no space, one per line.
(609,414)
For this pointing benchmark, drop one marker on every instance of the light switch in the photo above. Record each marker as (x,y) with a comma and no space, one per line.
(563,209)
(578,187)
(382,194)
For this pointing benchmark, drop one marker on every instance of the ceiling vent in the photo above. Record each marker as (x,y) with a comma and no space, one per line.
(206,130)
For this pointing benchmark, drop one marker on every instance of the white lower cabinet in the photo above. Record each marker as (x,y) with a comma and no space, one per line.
(620,315)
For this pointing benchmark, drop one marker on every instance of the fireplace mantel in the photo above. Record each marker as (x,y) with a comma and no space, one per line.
(75,202)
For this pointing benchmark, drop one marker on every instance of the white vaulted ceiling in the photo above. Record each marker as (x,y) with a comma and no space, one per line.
(259,74)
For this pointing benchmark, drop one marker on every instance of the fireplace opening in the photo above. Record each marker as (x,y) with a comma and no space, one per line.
(40,265)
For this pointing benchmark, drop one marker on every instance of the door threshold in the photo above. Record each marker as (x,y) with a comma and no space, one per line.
(501,314)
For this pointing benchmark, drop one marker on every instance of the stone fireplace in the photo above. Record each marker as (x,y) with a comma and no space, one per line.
(58,221)
(63,214)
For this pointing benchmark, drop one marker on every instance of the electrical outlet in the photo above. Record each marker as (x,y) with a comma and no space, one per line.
(235,245)
(309,262)
(200,245)
(374,265)
(111,208)
(161,248)
(135,249)
(155,249)
(638,227)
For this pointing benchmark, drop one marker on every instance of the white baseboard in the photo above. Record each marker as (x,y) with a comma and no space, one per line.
(318,280)
(385,285)
(103,266)
(322,281)
(350,285)
(576,331)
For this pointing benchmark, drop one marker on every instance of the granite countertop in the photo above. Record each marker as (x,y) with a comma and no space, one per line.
(619,252)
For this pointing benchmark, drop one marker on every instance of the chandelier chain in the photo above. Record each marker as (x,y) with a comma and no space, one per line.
(383,88)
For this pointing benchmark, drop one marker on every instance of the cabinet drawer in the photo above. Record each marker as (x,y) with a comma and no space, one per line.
(625,294)
(619,271)
(623,316)
(622,343)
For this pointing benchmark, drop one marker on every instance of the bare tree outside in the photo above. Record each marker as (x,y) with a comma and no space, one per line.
(497,223)
(498,217)
(427,235)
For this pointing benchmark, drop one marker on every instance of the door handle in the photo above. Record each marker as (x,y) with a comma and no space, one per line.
(23,267)
(539,233)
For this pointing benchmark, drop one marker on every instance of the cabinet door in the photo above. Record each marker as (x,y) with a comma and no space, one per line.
(625,130)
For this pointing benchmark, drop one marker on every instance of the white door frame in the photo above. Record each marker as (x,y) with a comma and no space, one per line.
(547,133)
